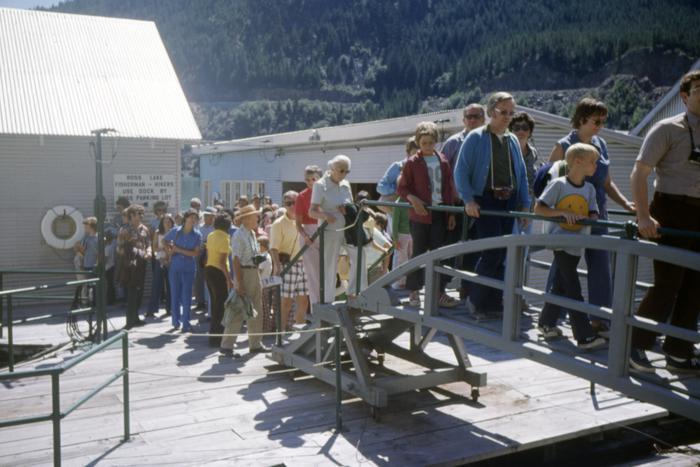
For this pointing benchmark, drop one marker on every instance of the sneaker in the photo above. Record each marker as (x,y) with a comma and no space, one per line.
(601,328)
(414,301)
(262,348)
(639,361)
(688,365)
(447,302)
(228,353)
(550,332)
(592,343)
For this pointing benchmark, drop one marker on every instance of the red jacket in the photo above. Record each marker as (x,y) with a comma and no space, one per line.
(414,181)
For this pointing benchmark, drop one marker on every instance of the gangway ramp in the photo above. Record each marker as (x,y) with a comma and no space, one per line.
(373,321)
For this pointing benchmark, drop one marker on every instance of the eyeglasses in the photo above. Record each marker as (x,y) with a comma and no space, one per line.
(692,90)
(599,121)
(473,117)
(505,113)
(290,203)
(520,127)
(344,171)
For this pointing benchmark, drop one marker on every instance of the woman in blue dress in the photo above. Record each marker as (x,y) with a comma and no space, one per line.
(589,118)
(184,243)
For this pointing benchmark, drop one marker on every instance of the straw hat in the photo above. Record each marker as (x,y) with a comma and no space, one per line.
(245,211)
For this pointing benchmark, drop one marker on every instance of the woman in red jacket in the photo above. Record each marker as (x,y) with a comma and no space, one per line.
(426,180)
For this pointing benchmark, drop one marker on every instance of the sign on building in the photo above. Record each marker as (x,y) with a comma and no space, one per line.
(145,189)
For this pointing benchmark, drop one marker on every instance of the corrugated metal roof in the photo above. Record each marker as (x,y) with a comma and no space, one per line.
(64,74)
(380,130)
(669,105)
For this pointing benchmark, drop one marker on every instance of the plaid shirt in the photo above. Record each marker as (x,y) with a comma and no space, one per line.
(245,246)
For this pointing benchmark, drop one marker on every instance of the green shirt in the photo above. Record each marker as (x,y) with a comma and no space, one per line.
(501,163)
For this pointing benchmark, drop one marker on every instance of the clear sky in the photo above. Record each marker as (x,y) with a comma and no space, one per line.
(27,3)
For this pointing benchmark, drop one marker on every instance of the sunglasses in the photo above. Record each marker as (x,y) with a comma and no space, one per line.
(520,127)
(344,171)
(599,121)
(473,117)
(290,203)
(504,113)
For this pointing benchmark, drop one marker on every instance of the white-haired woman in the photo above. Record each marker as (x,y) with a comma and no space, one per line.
(328,196)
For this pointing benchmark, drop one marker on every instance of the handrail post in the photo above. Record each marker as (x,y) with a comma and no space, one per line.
(620,331)
(125,382)
(10,343)
(322,273)
(56,417)
(2,299)
(358,270)
(278,314)
(338,383)
(511,303)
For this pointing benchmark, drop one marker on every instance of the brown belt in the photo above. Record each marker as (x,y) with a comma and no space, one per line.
(690,200)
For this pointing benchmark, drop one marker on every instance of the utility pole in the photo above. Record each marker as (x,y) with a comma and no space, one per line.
(100,213)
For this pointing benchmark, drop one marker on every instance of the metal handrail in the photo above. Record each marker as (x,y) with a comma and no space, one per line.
(55,372)
(9,296)
(629,226)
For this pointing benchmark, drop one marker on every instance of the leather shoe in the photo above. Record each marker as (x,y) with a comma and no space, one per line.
(262,348)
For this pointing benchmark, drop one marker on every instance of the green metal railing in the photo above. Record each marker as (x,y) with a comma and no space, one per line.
(34,272)
(55,373)
(9,295)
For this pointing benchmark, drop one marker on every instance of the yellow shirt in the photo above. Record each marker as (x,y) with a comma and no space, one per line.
(284,236)
(218,243)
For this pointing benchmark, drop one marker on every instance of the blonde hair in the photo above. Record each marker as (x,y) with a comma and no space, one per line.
(580,151)
(411,145)
(426,129)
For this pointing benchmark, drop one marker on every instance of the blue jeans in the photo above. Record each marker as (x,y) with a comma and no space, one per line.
(491,262)
(566,284)
(181,296)
(599,274)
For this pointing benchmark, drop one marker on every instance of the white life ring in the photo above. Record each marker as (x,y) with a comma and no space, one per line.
(62,227)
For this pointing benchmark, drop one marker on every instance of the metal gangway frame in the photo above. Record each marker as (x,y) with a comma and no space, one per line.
(374,319)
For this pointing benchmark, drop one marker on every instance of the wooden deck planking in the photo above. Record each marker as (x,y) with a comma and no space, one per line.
(245,417)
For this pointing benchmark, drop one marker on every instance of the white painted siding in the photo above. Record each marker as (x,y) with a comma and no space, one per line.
(36,177)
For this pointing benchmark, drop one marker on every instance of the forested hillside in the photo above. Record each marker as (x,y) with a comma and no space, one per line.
(255,66)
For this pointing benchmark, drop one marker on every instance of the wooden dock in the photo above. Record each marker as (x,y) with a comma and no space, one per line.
(191,407)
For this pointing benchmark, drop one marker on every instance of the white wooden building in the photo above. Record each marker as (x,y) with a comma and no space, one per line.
(61,77)
(670,105)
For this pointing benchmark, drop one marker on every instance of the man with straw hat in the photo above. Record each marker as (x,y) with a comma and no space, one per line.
(246,253)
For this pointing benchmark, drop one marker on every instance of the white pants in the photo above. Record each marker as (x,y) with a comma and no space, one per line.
(401,255)
(331,248)
(311,265)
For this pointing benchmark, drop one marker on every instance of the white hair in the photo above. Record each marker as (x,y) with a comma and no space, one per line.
(340,158)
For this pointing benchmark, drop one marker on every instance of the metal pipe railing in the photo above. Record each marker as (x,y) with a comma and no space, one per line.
(13,294)
(55,373)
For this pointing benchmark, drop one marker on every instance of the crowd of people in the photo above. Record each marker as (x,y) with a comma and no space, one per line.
(489,165)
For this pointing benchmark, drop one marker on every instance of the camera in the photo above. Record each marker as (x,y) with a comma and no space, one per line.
(257,259)
(694,157)
(503,193)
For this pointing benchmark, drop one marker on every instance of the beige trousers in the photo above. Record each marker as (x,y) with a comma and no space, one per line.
(311,265)
(253,290)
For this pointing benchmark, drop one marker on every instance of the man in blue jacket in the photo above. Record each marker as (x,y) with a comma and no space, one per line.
(490,174)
